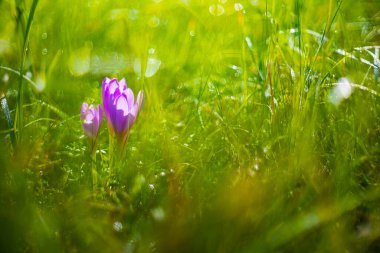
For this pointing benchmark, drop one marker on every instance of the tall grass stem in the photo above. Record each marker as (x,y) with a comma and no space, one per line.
(20,114)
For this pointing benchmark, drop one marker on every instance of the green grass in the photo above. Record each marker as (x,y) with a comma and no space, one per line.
(238,148)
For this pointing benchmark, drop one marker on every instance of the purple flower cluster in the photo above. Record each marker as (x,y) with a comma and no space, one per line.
(92,118)
(120,107)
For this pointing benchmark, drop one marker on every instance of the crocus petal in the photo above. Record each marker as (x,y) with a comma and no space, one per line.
(134,110)
(106,80)
(83,110)
(122,119)
(113,86)
(99,114)
(122,104)
(140,100)
(105,85)
(117,111)
(98,119)
(115,95)
(120,107)
(92,110)
(130,120)
(112,116)
(126,123)
(121,113)
(123,84)
(89,129)
(130,97)
(105,96)
(107,104)
(91,117)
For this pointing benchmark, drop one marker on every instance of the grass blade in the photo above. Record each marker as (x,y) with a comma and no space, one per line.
(19,117)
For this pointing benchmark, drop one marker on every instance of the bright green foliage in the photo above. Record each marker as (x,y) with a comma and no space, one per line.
(249,139)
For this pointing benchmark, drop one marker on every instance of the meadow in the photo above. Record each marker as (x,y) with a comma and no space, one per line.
(259,131)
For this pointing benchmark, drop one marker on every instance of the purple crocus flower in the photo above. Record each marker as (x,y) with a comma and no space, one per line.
(120,106)
(91,118)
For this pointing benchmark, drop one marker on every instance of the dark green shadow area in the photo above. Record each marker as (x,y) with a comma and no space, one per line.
(259,132)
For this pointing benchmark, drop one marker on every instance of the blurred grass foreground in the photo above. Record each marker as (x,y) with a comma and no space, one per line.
(260,130)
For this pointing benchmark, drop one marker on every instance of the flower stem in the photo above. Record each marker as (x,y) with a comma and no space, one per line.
(93,168)
(110,154)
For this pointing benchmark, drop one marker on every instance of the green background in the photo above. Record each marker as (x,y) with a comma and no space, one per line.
(244,143)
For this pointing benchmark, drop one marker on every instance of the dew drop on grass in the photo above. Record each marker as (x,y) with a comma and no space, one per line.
(255,2)
(152,67)
(341,91)
(267,92)
(237,69)
(40,83)
(238,7)
(158,214)
(180,124)
(117,226)
(5,78)
(216,9)
(44,36)
(345,88)
(249,42)
(292,73)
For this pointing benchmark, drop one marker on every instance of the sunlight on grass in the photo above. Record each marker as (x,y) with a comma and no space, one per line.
(259,130)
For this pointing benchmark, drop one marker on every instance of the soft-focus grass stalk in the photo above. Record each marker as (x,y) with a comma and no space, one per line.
(93,166)
(199,175)
(116,153)
(92,118)
(19,119)
(111,153)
